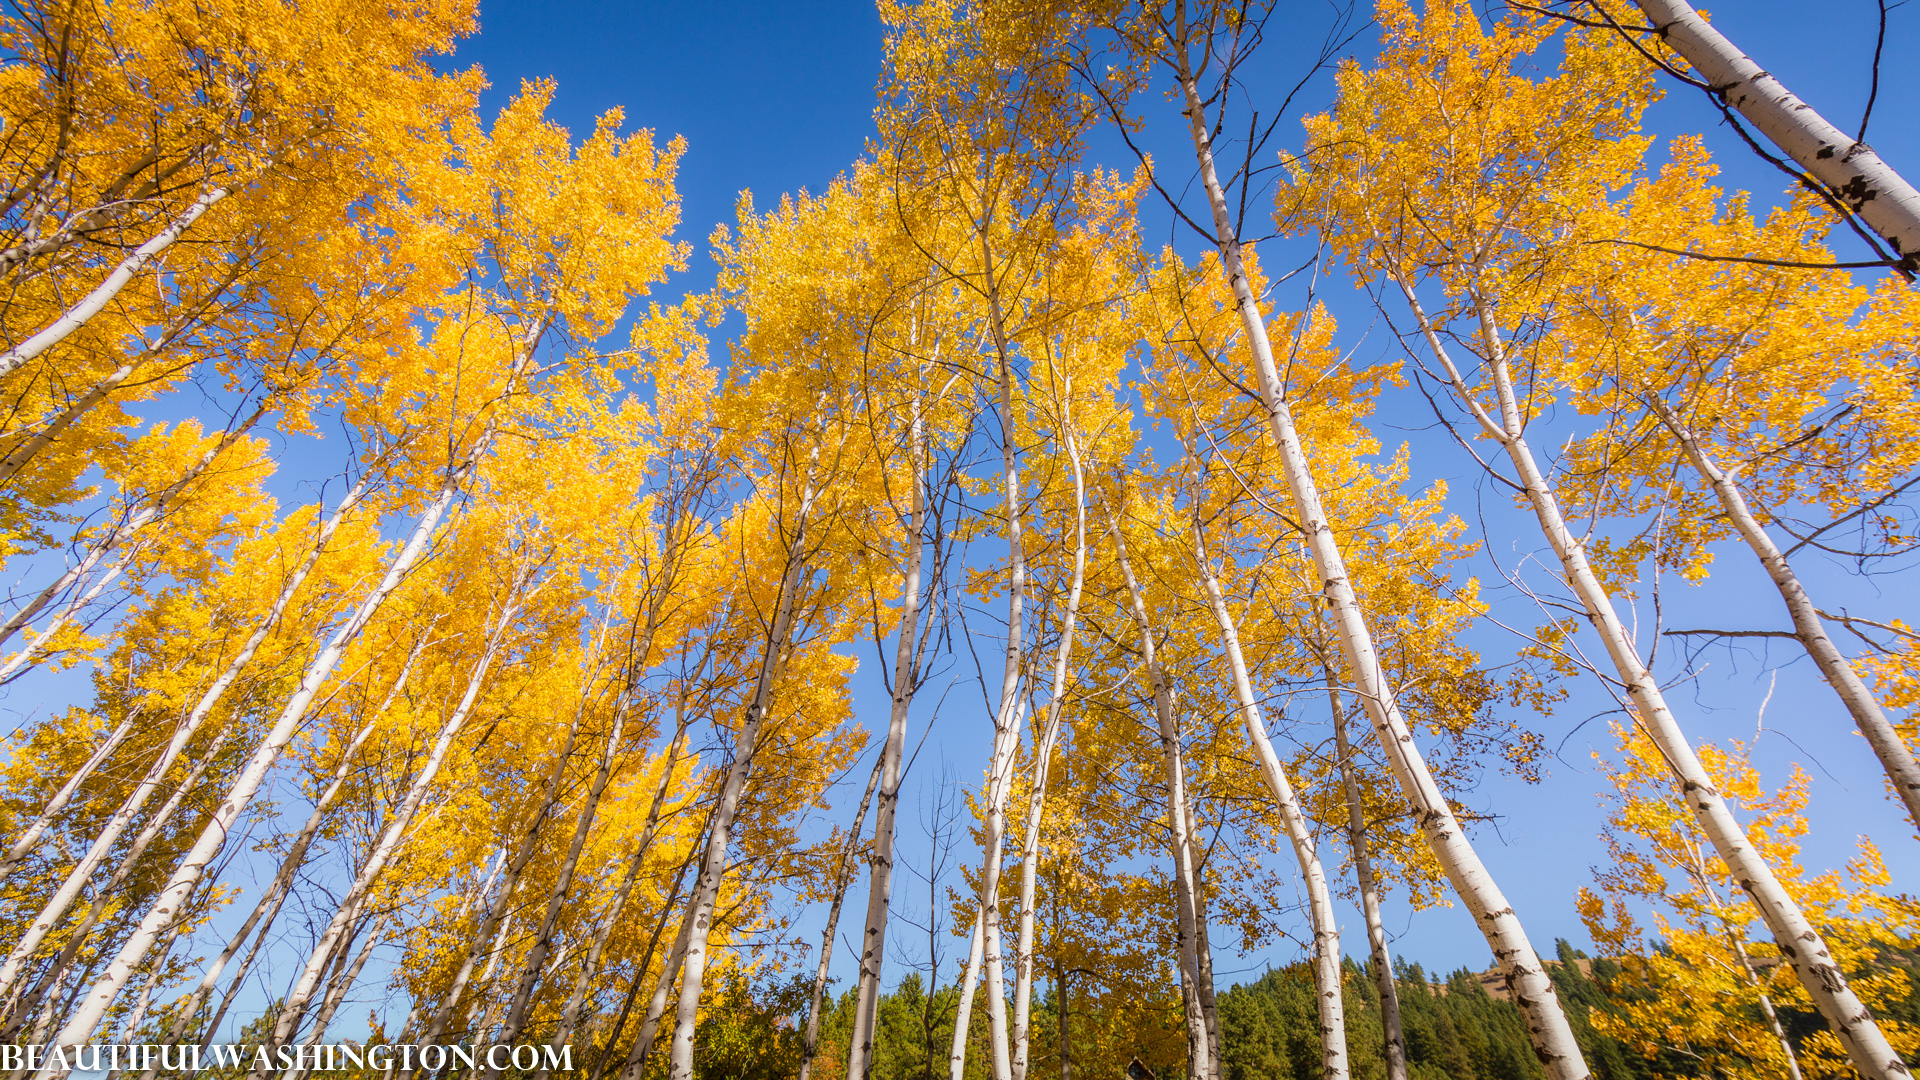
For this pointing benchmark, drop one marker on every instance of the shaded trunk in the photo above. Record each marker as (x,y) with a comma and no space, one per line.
(1043,762)
(30,838)
(1381,964)
(1200,1043)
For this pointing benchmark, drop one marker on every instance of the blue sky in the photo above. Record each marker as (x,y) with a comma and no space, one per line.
(778,97)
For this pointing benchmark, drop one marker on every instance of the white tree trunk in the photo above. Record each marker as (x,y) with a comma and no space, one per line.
(1173,770)
(1326,931)
(906,676)
(80,1027)
(1547,1025)
(963,1017)
(89,306)
(1847,167)
(131,521)
(401,820)
(1799,942)
(30,838)
(1395,1039)
(56,905)
(1043,747)
(657,1004)
(1894,754)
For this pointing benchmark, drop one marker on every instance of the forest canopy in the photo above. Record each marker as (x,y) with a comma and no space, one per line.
(422,602)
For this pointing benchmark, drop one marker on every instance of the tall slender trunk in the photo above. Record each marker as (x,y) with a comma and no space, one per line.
(400,822)
(1847,167)
(1006,720)
(106,894)
(271,901)
(1799,941)
(842,878)
(906,678)
(110,833)
(28,448)
(1896,757)
(1043,758)
(485,948)
(1180,842)
(76,316)
(337,992)
(1547,1024)
(1395,1050)
(80,1027)
(706,887)
(30,837)
(636,1063)
(963,1015)
(1328,996)
(669,903)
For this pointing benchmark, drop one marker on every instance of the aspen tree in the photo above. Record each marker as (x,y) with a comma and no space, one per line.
(1495,208)
(1191,44)
(1772,384)
(1201,1037)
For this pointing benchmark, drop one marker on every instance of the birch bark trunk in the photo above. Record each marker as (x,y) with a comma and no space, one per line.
(1186,911)
(1381,963)
(842,878)
(963,1015)
(1850,1019)
(1330,1001)
(268,908)
(570,1016)
(131,522)
(536,958)
(30,837)
(1848,168)
(906,676)
(1547,1025)
(1043,760)
(1896,757)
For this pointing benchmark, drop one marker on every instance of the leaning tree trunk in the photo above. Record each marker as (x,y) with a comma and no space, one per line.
(1185,900)
(1043,760)
(30,838)
(131,522)
(1547,1024)
(1394,1036)
(706,886)
(401,820)
(1848,168)
(1799,942)
(110,833)
(842,877)
(90,305)
(1894,754)
(1326,931)
(86,1018)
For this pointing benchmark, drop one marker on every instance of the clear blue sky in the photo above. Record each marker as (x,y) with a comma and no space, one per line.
(778,97)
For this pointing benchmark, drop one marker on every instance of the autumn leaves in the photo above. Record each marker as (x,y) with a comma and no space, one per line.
(576,618)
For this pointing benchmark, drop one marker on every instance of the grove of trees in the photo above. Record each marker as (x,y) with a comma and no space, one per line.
(515,719)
